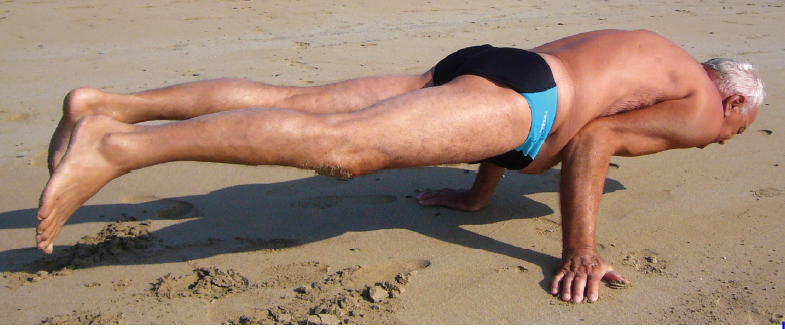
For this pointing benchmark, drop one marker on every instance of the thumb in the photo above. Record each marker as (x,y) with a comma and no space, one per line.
(612,275)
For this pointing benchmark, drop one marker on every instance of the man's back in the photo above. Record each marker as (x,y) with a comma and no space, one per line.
(607,72)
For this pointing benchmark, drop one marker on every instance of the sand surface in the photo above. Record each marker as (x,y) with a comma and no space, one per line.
(699,233)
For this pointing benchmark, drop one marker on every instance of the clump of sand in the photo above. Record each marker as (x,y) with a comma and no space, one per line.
(204,282)
(114,240)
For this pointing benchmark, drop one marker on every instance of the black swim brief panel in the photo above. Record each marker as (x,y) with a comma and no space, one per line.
(523,71)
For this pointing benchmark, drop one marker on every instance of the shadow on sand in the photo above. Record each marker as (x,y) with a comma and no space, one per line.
(262,216)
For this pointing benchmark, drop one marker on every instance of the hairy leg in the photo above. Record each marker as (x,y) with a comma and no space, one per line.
(468,119)
(190,100)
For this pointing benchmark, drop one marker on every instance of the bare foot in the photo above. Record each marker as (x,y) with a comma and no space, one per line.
(83,171)
(77,104)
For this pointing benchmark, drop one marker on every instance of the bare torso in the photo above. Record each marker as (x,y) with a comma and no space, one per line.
(625,93)
(606,72)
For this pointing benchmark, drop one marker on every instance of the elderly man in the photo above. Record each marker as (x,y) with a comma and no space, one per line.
(577,100)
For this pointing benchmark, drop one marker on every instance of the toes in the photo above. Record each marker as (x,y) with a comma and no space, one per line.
(46,232)
(45,206)
(42,244)
(45,227)
(43,236)
(46,248)
(45,241)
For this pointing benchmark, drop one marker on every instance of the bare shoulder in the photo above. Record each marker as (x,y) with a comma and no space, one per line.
(571,40)
(643,35)
(635,85)
(598,37)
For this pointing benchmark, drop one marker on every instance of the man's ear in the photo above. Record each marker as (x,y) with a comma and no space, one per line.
(733,103)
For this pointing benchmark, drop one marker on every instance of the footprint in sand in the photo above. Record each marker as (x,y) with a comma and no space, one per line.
(646,261)
(13,117)
(362,276)
(294,275)
(39,158)
(768,192)
(355,295)
(547,228)
(327,202)
(298,62)
(166,208)
(358,277)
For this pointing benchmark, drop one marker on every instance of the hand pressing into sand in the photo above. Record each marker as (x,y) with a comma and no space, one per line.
(581,271)
(478,197)
(452,198)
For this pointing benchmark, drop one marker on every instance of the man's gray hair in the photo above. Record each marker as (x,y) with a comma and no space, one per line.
(736,77)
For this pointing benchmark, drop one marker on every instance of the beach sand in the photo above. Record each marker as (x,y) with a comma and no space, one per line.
(697,232)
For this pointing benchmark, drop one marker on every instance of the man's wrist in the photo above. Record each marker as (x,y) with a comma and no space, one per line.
(577,237)
(580,248)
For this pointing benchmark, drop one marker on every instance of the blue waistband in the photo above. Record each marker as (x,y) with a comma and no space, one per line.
(543,106)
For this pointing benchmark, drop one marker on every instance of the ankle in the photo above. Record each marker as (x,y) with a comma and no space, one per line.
(81,102)
(115,147)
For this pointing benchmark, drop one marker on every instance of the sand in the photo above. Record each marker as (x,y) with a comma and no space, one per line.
(697,232)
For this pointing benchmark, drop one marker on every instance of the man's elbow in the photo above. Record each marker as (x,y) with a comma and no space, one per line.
(594,138)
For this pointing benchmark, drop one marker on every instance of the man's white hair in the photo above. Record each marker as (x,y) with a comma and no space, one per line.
(736,77)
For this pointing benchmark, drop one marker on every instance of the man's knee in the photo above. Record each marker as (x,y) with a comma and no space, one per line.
(356,160)
(341,172)
(343,154)
(349,166)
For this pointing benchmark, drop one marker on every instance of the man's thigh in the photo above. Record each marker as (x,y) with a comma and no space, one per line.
(469,119)
(351,95)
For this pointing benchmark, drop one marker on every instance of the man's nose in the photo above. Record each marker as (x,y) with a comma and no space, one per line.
(722,142)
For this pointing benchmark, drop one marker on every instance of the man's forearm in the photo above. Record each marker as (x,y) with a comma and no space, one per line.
(478,197)
(584,168)
(487,179)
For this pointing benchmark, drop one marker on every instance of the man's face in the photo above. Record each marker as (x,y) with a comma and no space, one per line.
(735,122)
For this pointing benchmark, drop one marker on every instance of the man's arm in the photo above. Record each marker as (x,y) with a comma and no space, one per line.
(478,197)
(681,123)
